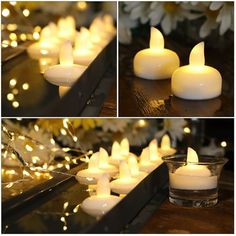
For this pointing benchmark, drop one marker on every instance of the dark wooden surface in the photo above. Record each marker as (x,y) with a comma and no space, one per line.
(175,219)
(140,97)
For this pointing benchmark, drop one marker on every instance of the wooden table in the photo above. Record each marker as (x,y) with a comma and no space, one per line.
(175,219)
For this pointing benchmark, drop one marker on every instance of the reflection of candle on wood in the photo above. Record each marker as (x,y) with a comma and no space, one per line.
(63,90)
(196,81)
(155,62)
(103,201)
(192,176)
(125,183)
(166,148)
(66,73)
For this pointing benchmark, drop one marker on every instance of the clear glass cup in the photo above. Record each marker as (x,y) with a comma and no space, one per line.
(194,185)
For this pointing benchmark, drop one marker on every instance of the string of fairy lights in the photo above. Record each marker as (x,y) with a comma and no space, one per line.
(44,169)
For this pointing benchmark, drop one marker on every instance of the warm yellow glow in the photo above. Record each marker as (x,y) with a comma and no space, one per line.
(36,35)
(124,145)
(10,172)
(59,165)
(23,37)
(67,158)
(63,219)
(196,57)
(5,43)
(66,54)
(141,123)
(37,28)
(223,144)
(15,104)
(187,130)
(65,205)
(64,227)
(35,159)
(28,148)
(5,12)
(63,131)
(26,12)
(115,150)
(76,208)
(156,39)
(103,157)
(38,174)
(10,97)
(13,3)
(11,27)
(153,152)
(67,166)
(15,91)
(44,51)
(124,170)
(25,86)
(103,186)
(14,44)
(26,173)
(192,156)
(12,36)
(82,5)
(165,142)
(52,141)
(133,165)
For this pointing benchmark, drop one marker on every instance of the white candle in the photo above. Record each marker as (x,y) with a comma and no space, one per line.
(166,148)
(116,156)
(104,164)
(46,47)
(83,54)
(192,176)
(66,28)
(134,169)
(66,73)
(92,173)
(196,81)
(125,183)
(156,62)
(103,201)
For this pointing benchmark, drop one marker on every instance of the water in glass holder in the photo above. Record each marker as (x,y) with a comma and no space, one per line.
(194,184)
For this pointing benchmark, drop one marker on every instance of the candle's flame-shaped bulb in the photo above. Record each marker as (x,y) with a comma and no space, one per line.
(124,147)
(165,142)
(115,150)
(133,165)
(103,186)
(192,156)
(103,157)
(124,170)
(156,39)
(196,57)
(94,161)
(66,54)
(153,150)
(45,34)
(145,155)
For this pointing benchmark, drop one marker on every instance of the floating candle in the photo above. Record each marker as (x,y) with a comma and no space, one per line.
(66,73)
(125,183)
(103,201)
(134,169)
(92,174)
(46,47)
(83,54)
(145,164)
(104,165)
(196,81)
(192,176)
(156,62)
(116,156)
(166,148)
(154,154)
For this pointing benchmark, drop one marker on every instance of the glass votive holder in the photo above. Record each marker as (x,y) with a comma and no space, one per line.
(194,184)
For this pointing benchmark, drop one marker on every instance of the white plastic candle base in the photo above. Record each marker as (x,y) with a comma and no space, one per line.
(88,177)
(99,205)
(167,152)
(110,170)
(84,59)
(62,75)
(155,64)
(123,186)
(140,176)
(147,167)
(63,90)
(37,51)
(192,182)
(196,83)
